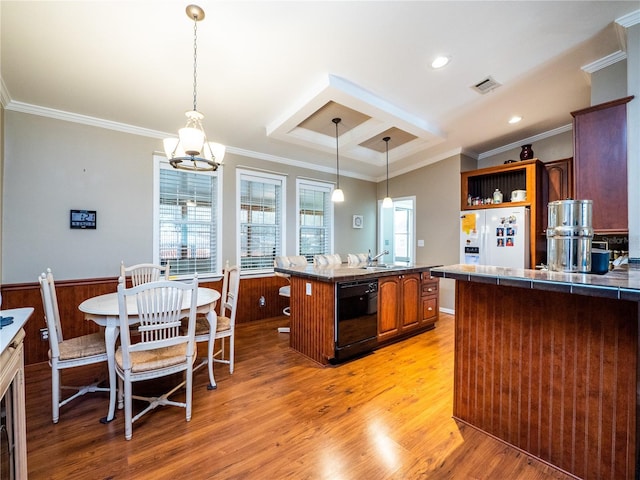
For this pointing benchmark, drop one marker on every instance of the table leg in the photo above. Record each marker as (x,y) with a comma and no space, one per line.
(213,325)
(111,332)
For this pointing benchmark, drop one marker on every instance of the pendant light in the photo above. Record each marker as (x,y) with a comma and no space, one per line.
(387,202)
(337,195)
(191,150)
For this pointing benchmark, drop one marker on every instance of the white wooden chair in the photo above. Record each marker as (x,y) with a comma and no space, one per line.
(144,273)
(69,353)
(223,327)
(162,348)
(356,258)
(285,291)
(327,260)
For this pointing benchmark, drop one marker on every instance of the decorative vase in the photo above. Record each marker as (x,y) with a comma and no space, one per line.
(526,153)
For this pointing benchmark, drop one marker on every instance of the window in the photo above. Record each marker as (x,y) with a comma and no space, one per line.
(396,230)
(315,218)
(187,206)
(261,219)
(402,220)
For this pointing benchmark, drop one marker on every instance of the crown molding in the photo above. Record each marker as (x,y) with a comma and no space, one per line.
(524,141)
(83,119)
(134,130)
(604,62)
(629,20)
(5,98)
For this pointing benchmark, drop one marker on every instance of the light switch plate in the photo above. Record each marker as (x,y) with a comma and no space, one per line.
(421,243)
(308,288)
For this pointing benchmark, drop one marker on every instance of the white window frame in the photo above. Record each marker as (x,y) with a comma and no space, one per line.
(159,163)
(411,236)
(263,177)
(324,187)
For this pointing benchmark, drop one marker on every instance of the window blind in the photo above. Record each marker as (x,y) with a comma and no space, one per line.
(314,219)
(261,219)
(188,221)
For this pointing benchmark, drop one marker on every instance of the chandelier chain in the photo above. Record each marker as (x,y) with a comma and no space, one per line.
(195,62)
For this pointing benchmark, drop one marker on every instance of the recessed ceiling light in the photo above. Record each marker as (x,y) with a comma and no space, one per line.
(515,119)
(440,62)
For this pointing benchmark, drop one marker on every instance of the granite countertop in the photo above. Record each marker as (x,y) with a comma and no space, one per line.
(347,273)
(622,283)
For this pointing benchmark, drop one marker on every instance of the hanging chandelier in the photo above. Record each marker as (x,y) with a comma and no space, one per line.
(191,151)
(387,202)
(337,195)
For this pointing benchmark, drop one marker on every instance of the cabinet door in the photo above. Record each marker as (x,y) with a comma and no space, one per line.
(560,174)
(600,163)
(410,312)
(388,295)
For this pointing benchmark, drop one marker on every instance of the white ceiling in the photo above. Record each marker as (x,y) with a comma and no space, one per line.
(264,66)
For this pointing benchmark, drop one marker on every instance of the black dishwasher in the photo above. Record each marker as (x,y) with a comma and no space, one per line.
(356,329)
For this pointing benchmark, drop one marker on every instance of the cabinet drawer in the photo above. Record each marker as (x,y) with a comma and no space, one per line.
(429,307)
(429,288)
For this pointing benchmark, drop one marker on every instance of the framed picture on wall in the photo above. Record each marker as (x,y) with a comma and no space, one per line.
(358,220)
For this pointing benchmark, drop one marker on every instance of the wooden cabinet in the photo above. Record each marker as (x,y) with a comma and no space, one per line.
(406,303)
(600,163)
(529,175)
(398,304)
(560,173)
(430,295)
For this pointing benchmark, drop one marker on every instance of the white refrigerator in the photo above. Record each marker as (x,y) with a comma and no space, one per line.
(495,236)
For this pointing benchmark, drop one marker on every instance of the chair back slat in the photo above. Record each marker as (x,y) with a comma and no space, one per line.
(51,312)
(144,273)
(160,307)
(230,299)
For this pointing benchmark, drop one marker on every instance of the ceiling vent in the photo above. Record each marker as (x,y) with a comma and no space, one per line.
(486,85)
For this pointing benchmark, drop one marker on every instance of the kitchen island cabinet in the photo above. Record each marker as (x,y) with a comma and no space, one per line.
(313,304)
(398,305)
(548,362)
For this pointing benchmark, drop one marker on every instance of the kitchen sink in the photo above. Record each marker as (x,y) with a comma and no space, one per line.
(377,268)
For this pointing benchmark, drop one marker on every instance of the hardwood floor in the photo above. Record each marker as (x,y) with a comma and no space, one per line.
(383,416)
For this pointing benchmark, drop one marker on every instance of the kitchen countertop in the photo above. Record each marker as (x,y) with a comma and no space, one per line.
(20,317)
(347,273)
(622,283)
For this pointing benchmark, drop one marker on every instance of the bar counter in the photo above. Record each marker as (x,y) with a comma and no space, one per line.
(547,362)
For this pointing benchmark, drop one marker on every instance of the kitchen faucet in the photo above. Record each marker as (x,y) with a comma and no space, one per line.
(371,259)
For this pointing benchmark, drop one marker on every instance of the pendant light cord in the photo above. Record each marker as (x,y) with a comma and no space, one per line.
(386,140)
(337,121)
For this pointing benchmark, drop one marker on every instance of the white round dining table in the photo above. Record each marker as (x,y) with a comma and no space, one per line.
(104,311)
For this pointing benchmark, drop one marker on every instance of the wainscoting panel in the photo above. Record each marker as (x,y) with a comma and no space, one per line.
(551,373)
(72,293)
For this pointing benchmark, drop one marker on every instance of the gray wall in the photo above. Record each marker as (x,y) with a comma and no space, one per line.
(633,139)
(546,150)
(52,166)
(1,179)
(609,83)
(437,191)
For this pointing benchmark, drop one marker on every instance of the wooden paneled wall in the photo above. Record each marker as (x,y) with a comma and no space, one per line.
(72,293)
(551,373)
(312,320)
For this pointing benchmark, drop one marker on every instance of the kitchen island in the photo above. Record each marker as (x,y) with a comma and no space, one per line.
(407,303)
(548,362)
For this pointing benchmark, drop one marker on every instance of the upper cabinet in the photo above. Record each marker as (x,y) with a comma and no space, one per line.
(529,175)
(600,163)
(560,174)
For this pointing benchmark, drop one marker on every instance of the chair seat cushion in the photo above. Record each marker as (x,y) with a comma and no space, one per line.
(81,347)
(154,359)
(202,324)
